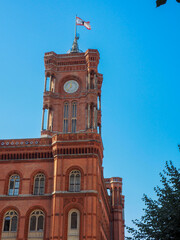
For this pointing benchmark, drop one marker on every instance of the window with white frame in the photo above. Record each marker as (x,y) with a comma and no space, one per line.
(74,117)
(39,184)
(73,224)
(14,182)
(10,223)
(75,181)
(36,225)
(65,120)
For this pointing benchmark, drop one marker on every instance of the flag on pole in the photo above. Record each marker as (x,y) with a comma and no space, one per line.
(80,22)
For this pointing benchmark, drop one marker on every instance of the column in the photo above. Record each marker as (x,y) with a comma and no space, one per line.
(86,82)
(95,118)
(91,116)
(89,80)
(48,120)
(45,82)
(95,81)
(112,190)
(42,126)
(88,115)
(52,115)
(99,129)
(99,102)
(50,82)
(54,80)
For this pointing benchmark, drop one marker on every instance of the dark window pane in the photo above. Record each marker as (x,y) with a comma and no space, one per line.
(77,188)
(71,189)
(33,223)
(75,110)
(41,186)
(40,223)
(6,224)
(65,125)
(42,182)
(36,182)
(72,182)
(72,179)
(36,186)
(11,184)
(41,192)
(65,129)
(74,220)
(14,224)
(77,179)
(35,191)
(66,110)
(73,125)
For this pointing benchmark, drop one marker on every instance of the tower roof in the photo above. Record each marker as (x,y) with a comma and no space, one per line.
(75,47)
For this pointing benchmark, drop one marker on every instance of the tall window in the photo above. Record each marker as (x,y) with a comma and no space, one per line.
(74,116)
(36,225)
(65,121)
(39,184)
(10,222)
(14,183)
(73,224)
(74,181)
(74,220)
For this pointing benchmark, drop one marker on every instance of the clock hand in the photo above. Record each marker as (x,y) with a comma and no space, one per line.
(69,86)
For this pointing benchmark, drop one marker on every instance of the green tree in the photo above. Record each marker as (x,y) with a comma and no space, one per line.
(161,2)
(161,220)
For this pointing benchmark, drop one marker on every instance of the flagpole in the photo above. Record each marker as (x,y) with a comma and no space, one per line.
(75,47)
(75,28)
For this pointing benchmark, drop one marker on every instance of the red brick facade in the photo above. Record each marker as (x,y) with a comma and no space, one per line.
(53,187)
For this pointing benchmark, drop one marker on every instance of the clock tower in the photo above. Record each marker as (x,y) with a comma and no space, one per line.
(72,93)
(72,118)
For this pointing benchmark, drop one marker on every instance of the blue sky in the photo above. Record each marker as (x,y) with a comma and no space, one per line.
(139,50)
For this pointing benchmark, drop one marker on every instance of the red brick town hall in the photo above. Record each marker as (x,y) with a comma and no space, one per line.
(53,187)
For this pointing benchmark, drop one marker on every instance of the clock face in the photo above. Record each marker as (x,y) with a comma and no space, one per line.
(71,86)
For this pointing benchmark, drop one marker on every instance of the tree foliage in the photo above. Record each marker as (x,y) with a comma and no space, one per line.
(161,2)
(161,220)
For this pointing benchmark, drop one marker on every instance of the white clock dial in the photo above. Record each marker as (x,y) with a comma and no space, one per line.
(71,86)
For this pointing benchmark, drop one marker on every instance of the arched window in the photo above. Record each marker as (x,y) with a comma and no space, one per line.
(74,117)
(36,225)
(14,183)
(65,121)
(73,224)
(10,223)
(39,184)
(75,181)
